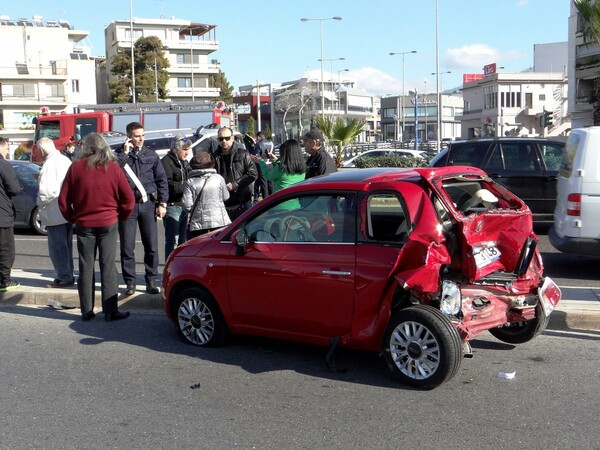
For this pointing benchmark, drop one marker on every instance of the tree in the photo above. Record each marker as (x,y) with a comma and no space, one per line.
(294,98)
(250,129)
(219,80)
(339,132)
(268,133)
(149,64)
(589,10)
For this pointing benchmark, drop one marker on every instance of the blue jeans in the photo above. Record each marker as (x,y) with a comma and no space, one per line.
(60,248)
(175,223)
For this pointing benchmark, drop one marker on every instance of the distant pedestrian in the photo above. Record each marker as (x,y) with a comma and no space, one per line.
(95,195)
(204,196)
(176,169)
(60,231)
(262,187)
(290,168)
(70,151)
(9,187)
(233,163)
(319,162)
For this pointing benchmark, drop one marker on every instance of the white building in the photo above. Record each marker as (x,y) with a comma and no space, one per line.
(511,104)
(187,45)
(45,63)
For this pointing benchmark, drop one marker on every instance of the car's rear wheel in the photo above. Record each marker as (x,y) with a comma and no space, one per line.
(36,222)
(422,347)
(198,319)
(521,332)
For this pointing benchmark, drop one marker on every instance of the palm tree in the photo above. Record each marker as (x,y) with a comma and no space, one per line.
(340,132)
(589,11)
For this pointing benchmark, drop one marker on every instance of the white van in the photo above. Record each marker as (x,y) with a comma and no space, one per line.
(576,227)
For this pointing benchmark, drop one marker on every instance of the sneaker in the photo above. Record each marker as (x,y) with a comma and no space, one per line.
(9,285)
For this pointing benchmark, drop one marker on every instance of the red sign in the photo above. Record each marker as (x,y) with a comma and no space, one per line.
(489,69)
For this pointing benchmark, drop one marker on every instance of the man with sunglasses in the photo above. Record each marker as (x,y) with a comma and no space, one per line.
(232,162)
(319,161)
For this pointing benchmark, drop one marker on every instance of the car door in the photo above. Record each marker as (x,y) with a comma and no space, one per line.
(297,273)
(551,154)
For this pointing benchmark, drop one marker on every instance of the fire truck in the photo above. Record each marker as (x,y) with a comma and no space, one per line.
(72,127)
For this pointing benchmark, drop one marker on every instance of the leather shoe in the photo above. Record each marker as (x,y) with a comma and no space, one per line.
(61,284)
(87,316)
(117,315)
(151,288)
(130,289)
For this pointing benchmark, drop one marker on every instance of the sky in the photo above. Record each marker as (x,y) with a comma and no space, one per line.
(265,40)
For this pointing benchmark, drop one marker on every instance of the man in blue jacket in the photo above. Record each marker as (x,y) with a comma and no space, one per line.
(148,181)
(9,187)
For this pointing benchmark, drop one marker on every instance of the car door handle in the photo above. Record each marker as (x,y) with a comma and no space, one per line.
(340,273)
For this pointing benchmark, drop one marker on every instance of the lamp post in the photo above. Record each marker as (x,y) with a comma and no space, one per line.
(439,105)
(338,88)
(155,77)
(402,53)
(331,60)
(132,58)
(320,20)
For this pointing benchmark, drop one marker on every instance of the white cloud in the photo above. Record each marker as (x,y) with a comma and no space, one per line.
(475,56)
(374,81)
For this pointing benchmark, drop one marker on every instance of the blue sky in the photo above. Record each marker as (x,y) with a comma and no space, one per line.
(265,39)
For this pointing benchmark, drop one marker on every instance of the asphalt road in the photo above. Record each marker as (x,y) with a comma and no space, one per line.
(132,384)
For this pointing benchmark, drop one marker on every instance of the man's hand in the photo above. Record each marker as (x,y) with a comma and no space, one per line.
(127,146)
(161,211)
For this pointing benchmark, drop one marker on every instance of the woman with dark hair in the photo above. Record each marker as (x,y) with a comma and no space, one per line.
(290,168)
(204,196)
(95,195)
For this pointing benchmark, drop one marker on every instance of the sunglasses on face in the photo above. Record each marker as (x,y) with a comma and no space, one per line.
(184,140)
(224,138)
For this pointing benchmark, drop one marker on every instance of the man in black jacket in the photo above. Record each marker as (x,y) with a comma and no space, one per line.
(319,162)
(151,193)
(9,187)
(232,162)
(176,168)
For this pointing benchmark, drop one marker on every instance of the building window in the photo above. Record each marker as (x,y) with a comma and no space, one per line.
(21,90)
(490,95)
(57,90)
(528,100)
(185,58)
(184,82)
(542,97)
(74,85)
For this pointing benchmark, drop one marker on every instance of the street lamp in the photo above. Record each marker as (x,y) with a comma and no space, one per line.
(320,20)
(132,55)
(338,88)
(331,60)
(402,53)
(439,105)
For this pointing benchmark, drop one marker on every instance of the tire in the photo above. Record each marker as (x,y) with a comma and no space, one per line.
(36,222)
(198,319)
(421,347)
(521,332)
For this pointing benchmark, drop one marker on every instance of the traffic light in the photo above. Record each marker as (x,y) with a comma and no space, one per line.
(546,119)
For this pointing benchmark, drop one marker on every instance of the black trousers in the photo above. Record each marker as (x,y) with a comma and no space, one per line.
(144,215)
(7,253)
(101,241)
(261,185)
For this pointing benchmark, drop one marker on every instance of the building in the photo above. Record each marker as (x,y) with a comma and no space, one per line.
(583,72)
(47,65)
(512,104)
(248,103)
(398,116)
(187,45)
(297,103)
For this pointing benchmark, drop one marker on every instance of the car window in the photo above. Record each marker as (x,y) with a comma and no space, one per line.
(519,156)
(552,154)
(386,220)
(467,154)
(495,162)
(28,174)
(307,218)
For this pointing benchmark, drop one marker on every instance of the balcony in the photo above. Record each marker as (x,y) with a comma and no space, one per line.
(22,71)
(199,93)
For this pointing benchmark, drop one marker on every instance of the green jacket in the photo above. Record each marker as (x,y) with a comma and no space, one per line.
(279,178)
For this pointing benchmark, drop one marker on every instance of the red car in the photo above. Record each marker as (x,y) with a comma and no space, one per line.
(410,262)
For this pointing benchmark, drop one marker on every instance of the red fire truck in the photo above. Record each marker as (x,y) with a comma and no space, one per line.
(63,127)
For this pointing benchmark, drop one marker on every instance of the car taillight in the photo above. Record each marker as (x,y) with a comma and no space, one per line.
(574,205)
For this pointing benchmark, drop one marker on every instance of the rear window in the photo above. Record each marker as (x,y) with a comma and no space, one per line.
(566,165)
(470,154)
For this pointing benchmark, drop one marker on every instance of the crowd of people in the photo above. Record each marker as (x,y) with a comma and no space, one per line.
(138,188)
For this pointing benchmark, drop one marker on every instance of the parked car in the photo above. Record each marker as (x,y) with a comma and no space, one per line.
(418,154)
(576,227)
(410,262)
(159,141)
(27,214)
(526,166)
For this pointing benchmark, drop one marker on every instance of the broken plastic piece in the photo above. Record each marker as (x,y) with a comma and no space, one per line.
(507,375)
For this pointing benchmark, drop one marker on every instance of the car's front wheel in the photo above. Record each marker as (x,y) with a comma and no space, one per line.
(521,332)
(36,222)
(198,319)
(422,347)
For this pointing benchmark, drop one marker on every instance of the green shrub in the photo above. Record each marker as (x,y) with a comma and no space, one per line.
(389,161)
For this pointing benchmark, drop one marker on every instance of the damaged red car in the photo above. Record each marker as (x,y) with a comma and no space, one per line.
(413,263)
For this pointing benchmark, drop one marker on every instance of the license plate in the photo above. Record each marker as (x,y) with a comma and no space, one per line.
(486,255)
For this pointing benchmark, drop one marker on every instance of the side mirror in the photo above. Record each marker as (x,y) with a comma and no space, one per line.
(239,238)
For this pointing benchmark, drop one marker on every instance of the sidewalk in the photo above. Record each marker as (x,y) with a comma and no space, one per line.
(579,308)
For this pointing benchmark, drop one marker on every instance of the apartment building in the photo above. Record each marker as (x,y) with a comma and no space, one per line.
(187,45)
(47,65)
